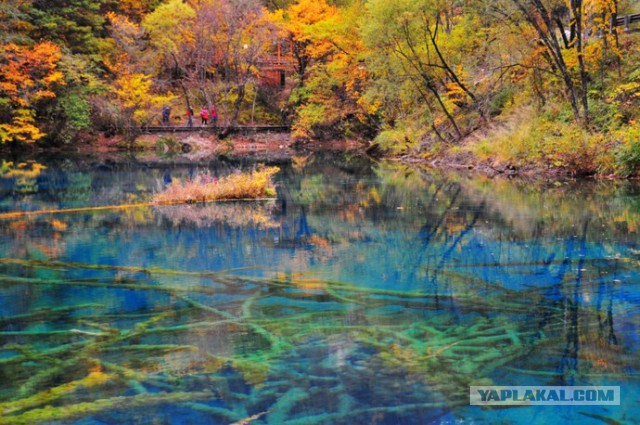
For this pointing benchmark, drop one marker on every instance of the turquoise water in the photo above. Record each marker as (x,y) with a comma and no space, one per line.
(366,293)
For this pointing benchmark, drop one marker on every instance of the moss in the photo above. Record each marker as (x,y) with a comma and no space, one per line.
(72,411)
(94,378)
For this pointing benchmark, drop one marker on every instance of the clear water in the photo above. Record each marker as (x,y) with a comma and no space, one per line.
(365,294)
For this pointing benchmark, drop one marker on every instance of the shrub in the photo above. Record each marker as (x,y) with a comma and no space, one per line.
(543,141)
(399,140)
(628,152)
(500,100)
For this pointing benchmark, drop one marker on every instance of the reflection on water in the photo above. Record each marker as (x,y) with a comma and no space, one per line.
(366,293)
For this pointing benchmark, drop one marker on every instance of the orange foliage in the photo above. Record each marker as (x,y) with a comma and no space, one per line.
(135,9)
(297,22)
(27,76)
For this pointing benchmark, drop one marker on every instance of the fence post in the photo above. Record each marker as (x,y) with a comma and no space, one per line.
(627,22)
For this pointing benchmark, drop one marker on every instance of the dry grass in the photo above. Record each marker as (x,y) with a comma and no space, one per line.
(206,188)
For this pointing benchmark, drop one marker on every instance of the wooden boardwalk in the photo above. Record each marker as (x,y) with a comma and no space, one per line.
(626,21)
(238,129)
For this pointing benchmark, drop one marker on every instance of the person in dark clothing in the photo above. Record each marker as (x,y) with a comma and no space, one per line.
(166,115)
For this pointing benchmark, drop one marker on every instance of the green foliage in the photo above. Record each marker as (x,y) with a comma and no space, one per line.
(77,24)
(14,20)
(500,100)
(483,150)
(605,116)
(82,75)
(77,111)
(628,153)
(72,112)
(397,141)
(309,117)
(68,116)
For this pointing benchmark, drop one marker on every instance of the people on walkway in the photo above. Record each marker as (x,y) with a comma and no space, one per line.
(204,115)
(166,115)
(190,117)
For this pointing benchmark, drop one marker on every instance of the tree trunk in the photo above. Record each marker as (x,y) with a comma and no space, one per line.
(584,80)
(435,93)
(433,36)
(547,36)
(238,104)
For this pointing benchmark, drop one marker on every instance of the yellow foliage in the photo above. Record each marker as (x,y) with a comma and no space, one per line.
(374,195)
(22,129)
(134,92)
(170,26)
(454,92)
(122,29)
(298,21)
(23,170)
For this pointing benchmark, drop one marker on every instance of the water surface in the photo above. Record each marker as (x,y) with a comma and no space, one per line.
(364,294)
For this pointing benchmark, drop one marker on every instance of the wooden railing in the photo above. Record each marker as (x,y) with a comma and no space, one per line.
(626,21)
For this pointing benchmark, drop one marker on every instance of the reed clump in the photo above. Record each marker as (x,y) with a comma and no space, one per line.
(206,188)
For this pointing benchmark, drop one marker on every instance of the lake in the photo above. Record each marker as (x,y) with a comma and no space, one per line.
(366,293)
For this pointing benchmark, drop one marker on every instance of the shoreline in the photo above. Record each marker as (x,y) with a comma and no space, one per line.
(278,147)
(447,163)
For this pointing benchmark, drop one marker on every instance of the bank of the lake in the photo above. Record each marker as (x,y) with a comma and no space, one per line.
(509,149)
(491,152)
(531,142)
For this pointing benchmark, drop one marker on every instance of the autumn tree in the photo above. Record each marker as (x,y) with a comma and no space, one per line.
(296,22)
(135,95)
(239,35)
(28,76)
(136,10)
(328,103)
(171,37)
(565,29)
(421,42)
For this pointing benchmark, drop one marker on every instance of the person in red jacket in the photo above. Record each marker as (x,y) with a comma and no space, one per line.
(214,116)
(204,116)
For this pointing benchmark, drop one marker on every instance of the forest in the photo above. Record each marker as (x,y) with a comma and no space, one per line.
(508,83)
